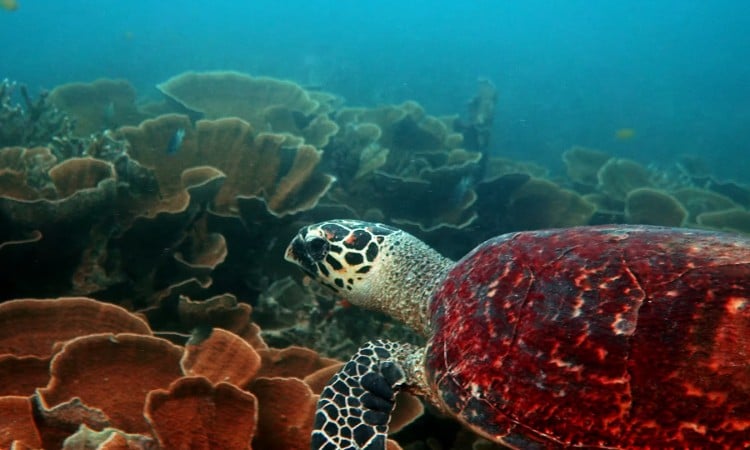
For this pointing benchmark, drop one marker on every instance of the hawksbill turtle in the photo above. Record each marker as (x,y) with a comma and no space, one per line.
(615,336)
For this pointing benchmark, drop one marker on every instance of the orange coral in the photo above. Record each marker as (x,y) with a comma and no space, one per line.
(21,375)
(76,174)
(17,422)
(32,327)
(291,362)
(222,357)
(288,407)
(194,413)
(113,373)
(132,390)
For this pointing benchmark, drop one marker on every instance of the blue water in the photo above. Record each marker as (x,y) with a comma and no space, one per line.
(568,72)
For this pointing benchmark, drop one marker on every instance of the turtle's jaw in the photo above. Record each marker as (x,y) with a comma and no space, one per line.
(307,253)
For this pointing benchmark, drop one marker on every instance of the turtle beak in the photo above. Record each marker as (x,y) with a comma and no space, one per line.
(298,252)
(295,251)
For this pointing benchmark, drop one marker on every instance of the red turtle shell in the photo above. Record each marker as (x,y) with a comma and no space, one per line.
(618,336)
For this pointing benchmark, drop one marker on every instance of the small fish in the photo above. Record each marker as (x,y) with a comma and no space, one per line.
(175,143)
(9,5)
(624,134)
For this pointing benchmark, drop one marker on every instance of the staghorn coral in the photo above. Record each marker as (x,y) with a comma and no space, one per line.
(39,123)
(35,122)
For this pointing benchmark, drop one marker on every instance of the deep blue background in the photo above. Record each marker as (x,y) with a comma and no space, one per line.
(568,72)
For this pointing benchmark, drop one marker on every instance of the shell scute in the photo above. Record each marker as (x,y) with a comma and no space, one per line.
(607,336)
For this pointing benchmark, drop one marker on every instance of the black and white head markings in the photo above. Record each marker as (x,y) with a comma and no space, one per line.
(339,253)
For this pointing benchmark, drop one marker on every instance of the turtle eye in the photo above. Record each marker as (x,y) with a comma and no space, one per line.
(317,248)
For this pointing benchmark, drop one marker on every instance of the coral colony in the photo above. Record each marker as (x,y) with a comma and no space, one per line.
(162,295)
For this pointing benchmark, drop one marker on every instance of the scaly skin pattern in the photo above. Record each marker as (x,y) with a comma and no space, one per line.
(356,405)
(598,337)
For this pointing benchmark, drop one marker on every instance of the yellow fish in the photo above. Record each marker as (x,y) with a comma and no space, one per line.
(9,5)
(624,134)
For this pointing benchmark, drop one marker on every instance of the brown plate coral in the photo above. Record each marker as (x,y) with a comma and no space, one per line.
(198,318)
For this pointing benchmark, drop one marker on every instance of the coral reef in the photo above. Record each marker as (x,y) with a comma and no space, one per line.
(478,127)
(654,207)
(103,377)
(179,212)
(254,164)
(233,94)
(102,104)
(31,123)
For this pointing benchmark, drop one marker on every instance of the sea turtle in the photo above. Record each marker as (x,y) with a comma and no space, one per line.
(616,336)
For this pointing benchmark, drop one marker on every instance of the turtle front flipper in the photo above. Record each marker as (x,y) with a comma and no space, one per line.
(355,406)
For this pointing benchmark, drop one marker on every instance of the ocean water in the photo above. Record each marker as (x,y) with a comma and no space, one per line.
(568,72)
(139,221)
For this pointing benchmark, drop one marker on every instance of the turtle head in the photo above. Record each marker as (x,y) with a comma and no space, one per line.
(342,254)
(372,265)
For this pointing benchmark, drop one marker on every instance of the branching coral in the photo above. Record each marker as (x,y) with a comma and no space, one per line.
(30,123)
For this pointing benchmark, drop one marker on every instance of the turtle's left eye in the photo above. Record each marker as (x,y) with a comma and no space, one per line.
(317,248)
